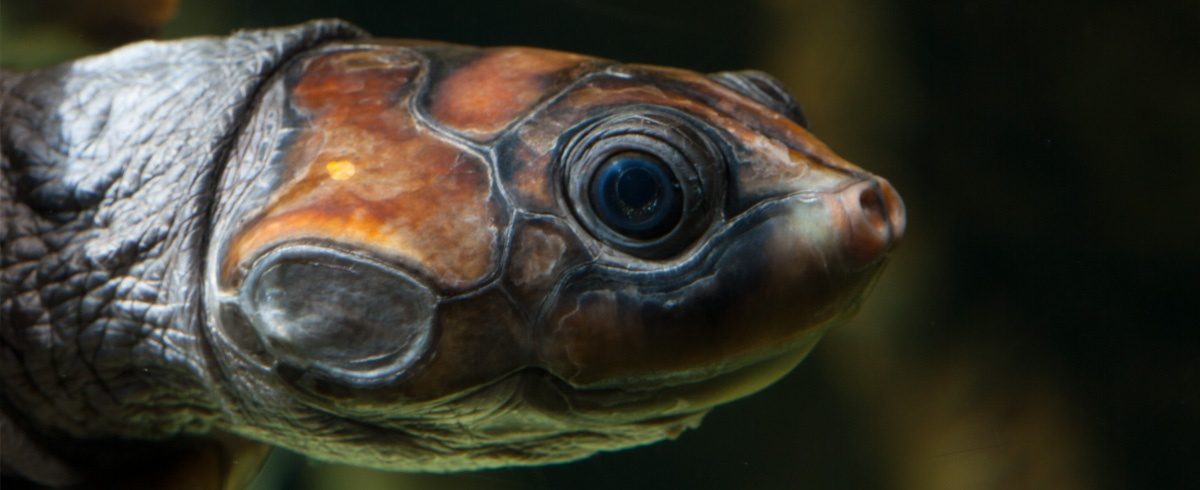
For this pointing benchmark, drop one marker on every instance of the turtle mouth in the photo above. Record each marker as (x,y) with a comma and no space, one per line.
(653,403)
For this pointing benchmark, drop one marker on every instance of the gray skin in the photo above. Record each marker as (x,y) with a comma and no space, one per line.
(134,311)
(108,174)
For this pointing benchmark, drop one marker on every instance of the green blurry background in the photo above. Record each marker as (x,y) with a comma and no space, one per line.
(1036,328)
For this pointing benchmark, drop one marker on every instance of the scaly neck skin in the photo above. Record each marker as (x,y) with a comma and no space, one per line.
(101,240)
(108,174)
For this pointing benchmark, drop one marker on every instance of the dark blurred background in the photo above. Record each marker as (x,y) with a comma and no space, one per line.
(1036,328)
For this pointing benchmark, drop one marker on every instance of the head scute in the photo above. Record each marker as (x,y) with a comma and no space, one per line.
(764,89)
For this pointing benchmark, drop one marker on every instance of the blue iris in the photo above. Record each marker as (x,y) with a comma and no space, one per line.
(637,196)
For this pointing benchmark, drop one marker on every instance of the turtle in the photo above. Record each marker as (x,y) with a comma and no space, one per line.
(407,255)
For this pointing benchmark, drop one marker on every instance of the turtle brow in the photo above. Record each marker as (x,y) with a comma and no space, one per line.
(599,69)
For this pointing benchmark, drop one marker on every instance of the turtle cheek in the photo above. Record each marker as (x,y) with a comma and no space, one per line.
(478,340)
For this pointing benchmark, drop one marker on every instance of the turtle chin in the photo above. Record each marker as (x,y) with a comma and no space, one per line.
(533,417)
(548,419)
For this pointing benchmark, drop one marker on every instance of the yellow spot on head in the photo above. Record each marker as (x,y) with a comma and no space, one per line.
(340,169)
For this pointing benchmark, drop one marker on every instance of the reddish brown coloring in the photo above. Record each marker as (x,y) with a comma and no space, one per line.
(405,180)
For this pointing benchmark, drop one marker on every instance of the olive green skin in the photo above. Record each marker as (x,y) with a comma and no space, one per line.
(507,325)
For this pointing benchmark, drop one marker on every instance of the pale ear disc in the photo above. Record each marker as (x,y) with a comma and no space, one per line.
(319,309)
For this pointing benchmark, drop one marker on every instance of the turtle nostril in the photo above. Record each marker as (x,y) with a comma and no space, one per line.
(872,208)
(874,219)
(891,209)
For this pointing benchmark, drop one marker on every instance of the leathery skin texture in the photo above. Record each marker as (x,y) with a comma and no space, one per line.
(397,254)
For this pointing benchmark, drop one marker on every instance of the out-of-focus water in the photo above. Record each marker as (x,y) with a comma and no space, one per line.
(1034,330)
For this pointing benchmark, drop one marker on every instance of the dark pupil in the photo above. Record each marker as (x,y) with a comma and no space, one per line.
(637,192)
(637,196)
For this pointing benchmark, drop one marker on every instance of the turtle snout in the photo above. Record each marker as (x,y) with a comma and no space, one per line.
(874,219)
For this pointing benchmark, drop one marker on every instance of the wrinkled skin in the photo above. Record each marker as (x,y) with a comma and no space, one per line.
(390,253)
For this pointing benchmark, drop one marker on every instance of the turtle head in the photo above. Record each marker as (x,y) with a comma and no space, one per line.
(438,257)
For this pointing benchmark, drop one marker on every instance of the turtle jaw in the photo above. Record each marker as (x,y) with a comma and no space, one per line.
(656,402)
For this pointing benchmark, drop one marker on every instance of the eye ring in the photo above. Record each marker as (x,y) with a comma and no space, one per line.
(675,175)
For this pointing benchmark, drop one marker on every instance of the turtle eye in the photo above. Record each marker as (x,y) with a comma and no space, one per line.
(637,196)
(644,181)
